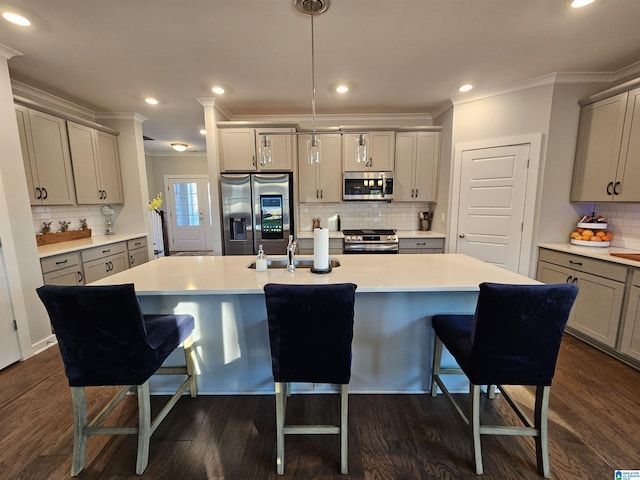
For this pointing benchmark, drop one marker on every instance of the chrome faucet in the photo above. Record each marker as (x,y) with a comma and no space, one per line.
(291,250)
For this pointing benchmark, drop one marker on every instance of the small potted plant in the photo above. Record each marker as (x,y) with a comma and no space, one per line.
(83,224)
(64,225)
(46,227)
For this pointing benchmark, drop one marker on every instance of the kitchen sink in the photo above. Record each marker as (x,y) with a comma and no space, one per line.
(281,262)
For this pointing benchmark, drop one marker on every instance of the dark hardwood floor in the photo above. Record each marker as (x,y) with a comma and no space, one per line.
(594,429)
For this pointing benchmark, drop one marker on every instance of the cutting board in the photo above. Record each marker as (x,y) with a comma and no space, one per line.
(628,256)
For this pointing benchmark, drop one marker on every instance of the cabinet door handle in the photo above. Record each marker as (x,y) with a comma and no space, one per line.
(38,193)
(569,278)
(80,276)
(416,193)
(99,194)
(575,280)
(131,260)
(321,193)
(45,193)
(575,263)
(105,194)
(253,160)
(609,186)
(412,193)
(615,188)
(317,193)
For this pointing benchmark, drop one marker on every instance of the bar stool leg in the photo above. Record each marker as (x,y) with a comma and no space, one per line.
(437,358)
(144,427)
(474,390)
(281,390)
(541,416)
(79,401)
(344,429)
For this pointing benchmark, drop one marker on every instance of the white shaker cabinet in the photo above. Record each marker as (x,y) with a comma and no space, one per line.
(597,310)
(240,149)
(380,152)
(45,153)
(96,165)
(630,344)
(63,269)
(416,175)
(320,182)
(138,253)
(607,166)
(100,262)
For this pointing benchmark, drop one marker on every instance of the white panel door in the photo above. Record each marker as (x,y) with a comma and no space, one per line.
(493,185)
(188,201)
(9,349)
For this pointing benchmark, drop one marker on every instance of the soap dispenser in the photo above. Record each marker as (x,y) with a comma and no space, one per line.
(261,260)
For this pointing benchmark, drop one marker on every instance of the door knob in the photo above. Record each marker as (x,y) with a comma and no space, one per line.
(461,235)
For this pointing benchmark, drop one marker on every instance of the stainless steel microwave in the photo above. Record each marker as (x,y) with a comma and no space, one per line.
(367,186)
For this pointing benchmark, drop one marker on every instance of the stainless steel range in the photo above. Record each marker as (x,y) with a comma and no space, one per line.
(370,241)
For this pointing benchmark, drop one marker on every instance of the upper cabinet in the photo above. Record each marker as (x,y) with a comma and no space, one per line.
(416,175)
(96,165)
(320,182)
(380,152)
(45,152)
(240,149)
(607,166)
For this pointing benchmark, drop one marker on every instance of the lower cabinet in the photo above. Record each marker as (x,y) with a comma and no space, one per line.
(138,253)
(100,262)
(598,308)
(64,269)
(630,344)
(424,245)
(305,246)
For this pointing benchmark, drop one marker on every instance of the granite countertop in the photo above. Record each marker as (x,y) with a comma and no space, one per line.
(599,253)
(84,243)
(389,273)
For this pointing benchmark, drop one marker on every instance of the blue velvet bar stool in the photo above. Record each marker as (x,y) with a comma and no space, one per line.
(105,340)
(310,333)
(513,339)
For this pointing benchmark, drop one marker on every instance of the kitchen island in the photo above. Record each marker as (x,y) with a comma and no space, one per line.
(396,297)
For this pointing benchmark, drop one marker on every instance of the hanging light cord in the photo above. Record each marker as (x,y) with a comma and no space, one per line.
(313,77)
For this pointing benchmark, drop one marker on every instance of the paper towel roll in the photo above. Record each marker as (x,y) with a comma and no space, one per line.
(321,249)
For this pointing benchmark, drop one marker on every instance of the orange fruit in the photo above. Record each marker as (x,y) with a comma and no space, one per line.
(587,233)
(579,237)
(600,233)
(574,234)
(606,238)
(596,238)
(580,230)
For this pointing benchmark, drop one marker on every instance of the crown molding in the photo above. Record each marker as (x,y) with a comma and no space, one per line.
(217,104)
(26,93)
(121,116)
(8,52)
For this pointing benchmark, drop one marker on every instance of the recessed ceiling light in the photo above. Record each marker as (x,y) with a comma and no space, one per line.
(16,19)
(581,3)
(179,147)
(218,90)
(342,89)
(203,131)
(465,88)
(151,101)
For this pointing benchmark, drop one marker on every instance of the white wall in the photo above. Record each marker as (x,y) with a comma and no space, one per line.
(160,165)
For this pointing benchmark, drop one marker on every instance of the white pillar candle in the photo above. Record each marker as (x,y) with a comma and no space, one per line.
(321,249)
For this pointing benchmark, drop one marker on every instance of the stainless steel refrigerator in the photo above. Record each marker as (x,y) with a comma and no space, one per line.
(256,210)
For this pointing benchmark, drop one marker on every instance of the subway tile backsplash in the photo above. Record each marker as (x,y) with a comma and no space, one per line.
(70,213)
(623,220)
(401,216)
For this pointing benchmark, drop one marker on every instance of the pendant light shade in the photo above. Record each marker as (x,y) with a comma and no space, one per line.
(361,149)
(313,149)
(266,154)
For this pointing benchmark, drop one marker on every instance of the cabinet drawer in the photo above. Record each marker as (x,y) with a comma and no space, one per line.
(584,264)
(422,243)
(57,262)
(103,251)
(64,276)
(137,243)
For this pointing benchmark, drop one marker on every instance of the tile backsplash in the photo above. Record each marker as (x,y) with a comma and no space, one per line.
(623,220)
(70,213)
(401,216)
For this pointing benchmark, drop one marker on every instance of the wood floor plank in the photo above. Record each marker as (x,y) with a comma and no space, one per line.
(593,429)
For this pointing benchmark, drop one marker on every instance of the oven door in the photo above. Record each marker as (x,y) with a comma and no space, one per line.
(370,248)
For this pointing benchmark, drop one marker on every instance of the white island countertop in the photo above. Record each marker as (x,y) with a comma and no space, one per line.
(372,273)
(84,243)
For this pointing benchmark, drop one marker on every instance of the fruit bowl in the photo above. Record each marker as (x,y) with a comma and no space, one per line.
(589,243)
(593,226)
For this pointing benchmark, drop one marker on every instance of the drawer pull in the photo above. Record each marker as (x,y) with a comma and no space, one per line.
(575,263)
(62,262)
(137,243)
(421,243)
(106,251)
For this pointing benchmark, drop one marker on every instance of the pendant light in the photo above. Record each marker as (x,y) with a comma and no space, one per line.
(313,8)
(266,154)
(361,149)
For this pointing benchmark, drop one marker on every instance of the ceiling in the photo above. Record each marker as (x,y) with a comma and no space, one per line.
(400,56)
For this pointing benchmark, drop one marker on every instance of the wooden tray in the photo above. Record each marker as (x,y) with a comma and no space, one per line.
(628,256)
(57,237)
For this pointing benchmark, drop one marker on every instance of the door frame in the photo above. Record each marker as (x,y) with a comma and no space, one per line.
(531,197)
(208,234)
